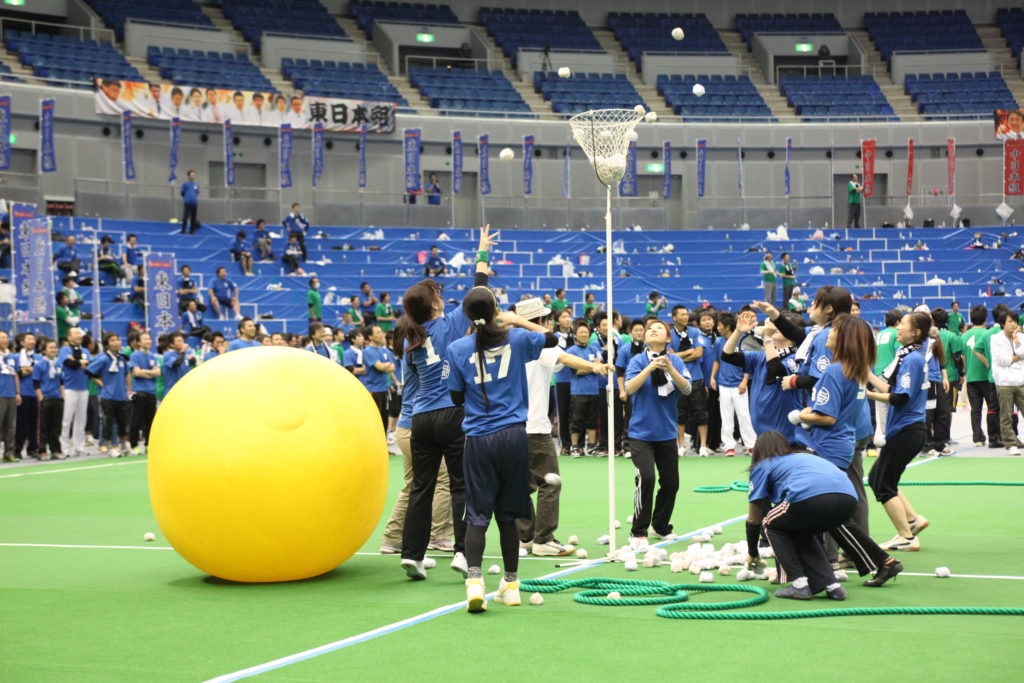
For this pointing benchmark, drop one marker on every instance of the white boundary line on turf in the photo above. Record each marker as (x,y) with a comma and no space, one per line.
(966,576)
(70,469)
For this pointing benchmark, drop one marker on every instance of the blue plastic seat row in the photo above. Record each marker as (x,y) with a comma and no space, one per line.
(115,12)
(651,33)
(365,13)
(304,17)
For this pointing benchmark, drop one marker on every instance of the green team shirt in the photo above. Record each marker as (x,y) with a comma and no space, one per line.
(985,347)
(384,311)
(558,304)
(971,340)
(315,304)
(788,272)
(852,195)
(588,307)
(887,345)
(768,271)
(956,322)
(951,344)
(653,308)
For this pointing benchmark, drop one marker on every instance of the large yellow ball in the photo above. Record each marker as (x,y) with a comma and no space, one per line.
(267,464)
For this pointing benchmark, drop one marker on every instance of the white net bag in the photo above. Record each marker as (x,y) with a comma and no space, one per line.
(604,136)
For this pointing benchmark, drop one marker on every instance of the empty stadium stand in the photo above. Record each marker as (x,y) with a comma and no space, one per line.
(557,29)
(726,97)
(60,58)
(327,78)
(959,93)
(639,32)
(749,24)
(115,12)
(208,69)
(838,98)
(584,91)
(452,90)
(911,31)
(365,13)
(255,17)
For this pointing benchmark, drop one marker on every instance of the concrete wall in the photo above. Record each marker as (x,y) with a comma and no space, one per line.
(656,64)
(904,63)
(138,35)
(767,48)
(529,60)
(84,153)
(274,47)
(389,37)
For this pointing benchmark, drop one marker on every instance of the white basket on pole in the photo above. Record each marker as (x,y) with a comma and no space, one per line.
(604,135)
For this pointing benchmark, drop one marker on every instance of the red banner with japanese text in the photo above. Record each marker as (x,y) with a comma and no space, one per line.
(867,158)
(910,166)
(1013,167)
(951,166)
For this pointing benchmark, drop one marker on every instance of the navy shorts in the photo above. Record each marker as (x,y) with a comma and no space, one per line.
(497,473)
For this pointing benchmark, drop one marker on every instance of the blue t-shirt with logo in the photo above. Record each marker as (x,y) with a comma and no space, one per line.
(654,415)
(911,380)
(588,384)
(143,360)
(427,360)
(769,404)
(564,342)
(410,385)
(190,192)
(50,375)
(934,371)
(75,378)
(796,477)
(29,360)
(503,377)
(224,289)
(376,381)
(171,373)
(729,375)
(697,339)
(8,375)
(112,370)
(240,343)
(835,395)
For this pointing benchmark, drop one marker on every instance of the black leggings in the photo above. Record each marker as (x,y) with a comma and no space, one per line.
(939,418)
(508,536)
(648,510)
(26,428)
(381,399)
(899,450)
(50,416)
(143,410)
(562,398)
(794,530)
(114,410)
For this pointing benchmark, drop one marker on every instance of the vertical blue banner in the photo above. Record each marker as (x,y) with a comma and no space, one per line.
(5,132)
(161,295)
(41,303)
(485,172)
(739,160)
(566,159)
(627,188)
(229,155)
(362,160)
(285,140)
(702,165)
(21,247)
(789,152)
(318,152)
(527,165)
(411,140)
(172,162)
(456,162)
(47,151)
(128,162)
(666,182)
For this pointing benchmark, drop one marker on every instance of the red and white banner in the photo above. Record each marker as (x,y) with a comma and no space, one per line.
(910,166)
(867,158)
(951,167)
(1013,167)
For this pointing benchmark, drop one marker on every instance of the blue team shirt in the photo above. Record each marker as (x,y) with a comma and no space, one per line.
(50,375)
(503,376)
(191,320)
(769,404)
(427,361)
(707,361)
(435,262)
(143,360)
(66,253)
(654,415)
(75,378)
(295,223)
(186,283)
(190,192)
(240,245)
(696,340)
(623,357)
(224,289)
(590,383)
(934,371)
(910,380)
(240,343)
(27,389)
(8,375)
(133,255)
(173,374)
(376,381)
(410,385)
(113,372)
(564,342)
(729,375)
(797,477)
(837,396)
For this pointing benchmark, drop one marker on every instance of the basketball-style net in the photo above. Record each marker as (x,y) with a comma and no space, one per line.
(604,135)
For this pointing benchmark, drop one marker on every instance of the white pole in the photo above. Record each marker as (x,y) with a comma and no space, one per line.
(611,375)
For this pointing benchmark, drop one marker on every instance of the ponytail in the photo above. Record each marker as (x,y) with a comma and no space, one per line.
(480,307)
(418,303)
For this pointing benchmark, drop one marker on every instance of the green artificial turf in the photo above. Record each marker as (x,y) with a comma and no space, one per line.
(146,614)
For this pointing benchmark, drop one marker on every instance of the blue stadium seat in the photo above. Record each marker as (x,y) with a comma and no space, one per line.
(365,13)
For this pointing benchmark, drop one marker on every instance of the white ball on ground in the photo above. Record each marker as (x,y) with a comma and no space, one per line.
(662,553)
(507,154)
(724,570)
(536,599)
(648,562)
(582,554)
(574,540)
(677,566)
(564,72)
(651,117)
(614,595)
(494,569)
(639,109)
(794,417)
(766,552)
(552,478)
(706,577)
(942,572)
(695,569)
(718,530)
(744,575)
(522,552)
(149,536)
(429,563)
(603,540)
(617,524)
(841,575)
(629,520)
(631,565)
(698,90)
(678,33)
(771,573)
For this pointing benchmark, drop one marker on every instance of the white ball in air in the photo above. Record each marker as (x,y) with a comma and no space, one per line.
(639,109)
(507,154)
(564,72)
(552,478)
(651,117)
(678,33)
(698,90)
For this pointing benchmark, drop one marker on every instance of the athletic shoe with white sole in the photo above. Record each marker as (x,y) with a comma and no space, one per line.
(947,450)
(837,593)
(884,573)
(441,545)
(979,444)
(551,549)
(508,593)
(414,570)
(665,537)
(476,595)
(389,549)
(730,453)
(704,451)
(682,451)
(1013,450)
(459,565)
(899,543)
(638,543)
(794,593)
(919,525)
(103,449)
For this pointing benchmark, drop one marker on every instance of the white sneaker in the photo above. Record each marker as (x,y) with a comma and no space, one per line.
(682,451)
(459,565)
(639,544)
(476,595)
(1013,450)
(508,593)
(704,451)
(551,549)
(391,438)
(664,537)
(103,449)
(393,449)
(414,570)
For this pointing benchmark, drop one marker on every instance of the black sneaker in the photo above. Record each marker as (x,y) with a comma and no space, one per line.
(794,593)
(837,593)
(884,573)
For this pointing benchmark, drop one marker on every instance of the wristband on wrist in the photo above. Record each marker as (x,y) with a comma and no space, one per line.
(792,382)
(483,256)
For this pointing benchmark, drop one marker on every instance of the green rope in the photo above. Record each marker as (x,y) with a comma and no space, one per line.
(744,486)
(674,598)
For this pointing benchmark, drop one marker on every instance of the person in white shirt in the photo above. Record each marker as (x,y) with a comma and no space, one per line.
(538,534)
(275,117)
(295,116)
(211,110)
(177,106)
(107,96)
(235,112)
(256,113)
(1008,372)
(194,109)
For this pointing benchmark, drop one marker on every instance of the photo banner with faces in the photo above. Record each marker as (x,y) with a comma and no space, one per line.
(243,107)
(161,294)
(1009,124)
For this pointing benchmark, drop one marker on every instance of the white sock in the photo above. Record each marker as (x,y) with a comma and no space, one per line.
(832,586)
(801,582)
